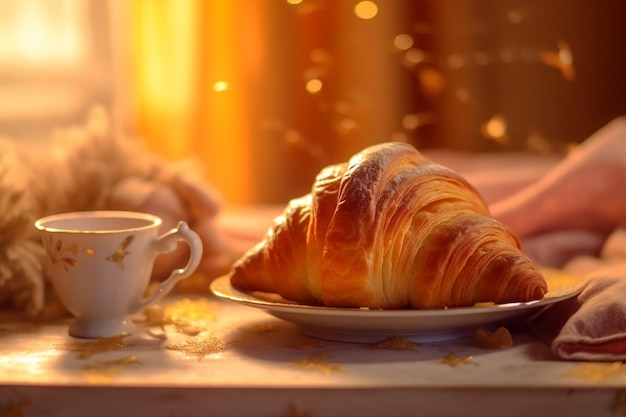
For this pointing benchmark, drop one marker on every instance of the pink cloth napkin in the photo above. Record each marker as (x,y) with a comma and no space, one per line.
(591,326)
(568,214)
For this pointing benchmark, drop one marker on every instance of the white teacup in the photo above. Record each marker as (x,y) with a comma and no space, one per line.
(100,264)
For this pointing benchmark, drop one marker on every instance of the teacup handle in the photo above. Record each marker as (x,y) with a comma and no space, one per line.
(167,243)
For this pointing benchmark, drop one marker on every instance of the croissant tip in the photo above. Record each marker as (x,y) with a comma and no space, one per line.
(540,292)
(539,287)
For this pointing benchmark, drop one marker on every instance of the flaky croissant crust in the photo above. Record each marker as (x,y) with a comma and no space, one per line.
(390,229)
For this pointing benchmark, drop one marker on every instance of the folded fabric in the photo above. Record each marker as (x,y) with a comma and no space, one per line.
(559,208)
(590,326)
(583,192)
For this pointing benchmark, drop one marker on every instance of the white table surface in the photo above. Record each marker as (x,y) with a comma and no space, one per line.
(240,361)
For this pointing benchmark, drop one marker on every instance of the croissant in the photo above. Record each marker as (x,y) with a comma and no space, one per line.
(389,229)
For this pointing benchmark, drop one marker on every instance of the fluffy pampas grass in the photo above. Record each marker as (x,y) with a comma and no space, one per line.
(92,167)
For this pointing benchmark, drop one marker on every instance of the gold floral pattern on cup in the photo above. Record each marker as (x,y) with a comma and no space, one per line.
(58,252)
(119,255)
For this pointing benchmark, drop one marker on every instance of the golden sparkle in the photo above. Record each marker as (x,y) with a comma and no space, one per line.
(105,371)
(318,363)
(185,316)
(187,328)
(199,309)
(597,371)
(200,345)
(456,361)
(100,345)
(395,343)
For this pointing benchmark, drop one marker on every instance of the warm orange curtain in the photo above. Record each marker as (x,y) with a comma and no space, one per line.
(186,85)
(232,83)
(162,80)
(264,93)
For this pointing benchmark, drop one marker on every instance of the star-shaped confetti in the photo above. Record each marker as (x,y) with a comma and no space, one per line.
(318,363)
(499,339)
(456,361)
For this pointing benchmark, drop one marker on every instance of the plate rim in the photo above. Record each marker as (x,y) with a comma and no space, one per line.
(223,289)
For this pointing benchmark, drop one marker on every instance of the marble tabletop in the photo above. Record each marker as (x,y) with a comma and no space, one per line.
(200,356)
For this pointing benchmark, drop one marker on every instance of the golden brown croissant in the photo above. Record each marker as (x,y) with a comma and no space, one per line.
(389,229)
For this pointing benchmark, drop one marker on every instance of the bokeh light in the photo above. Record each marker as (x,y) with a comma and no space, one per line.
(220,86)
(314,86)
(414,56)
(366,9)
(495,129)
(561,60)
(403,41)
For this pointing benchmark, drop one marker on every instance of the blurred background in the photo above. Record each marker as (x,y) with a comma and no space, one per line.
(264,93)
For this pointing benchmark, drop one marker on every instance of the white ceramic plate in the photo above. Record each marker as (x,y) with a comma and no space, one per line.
(370,326)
